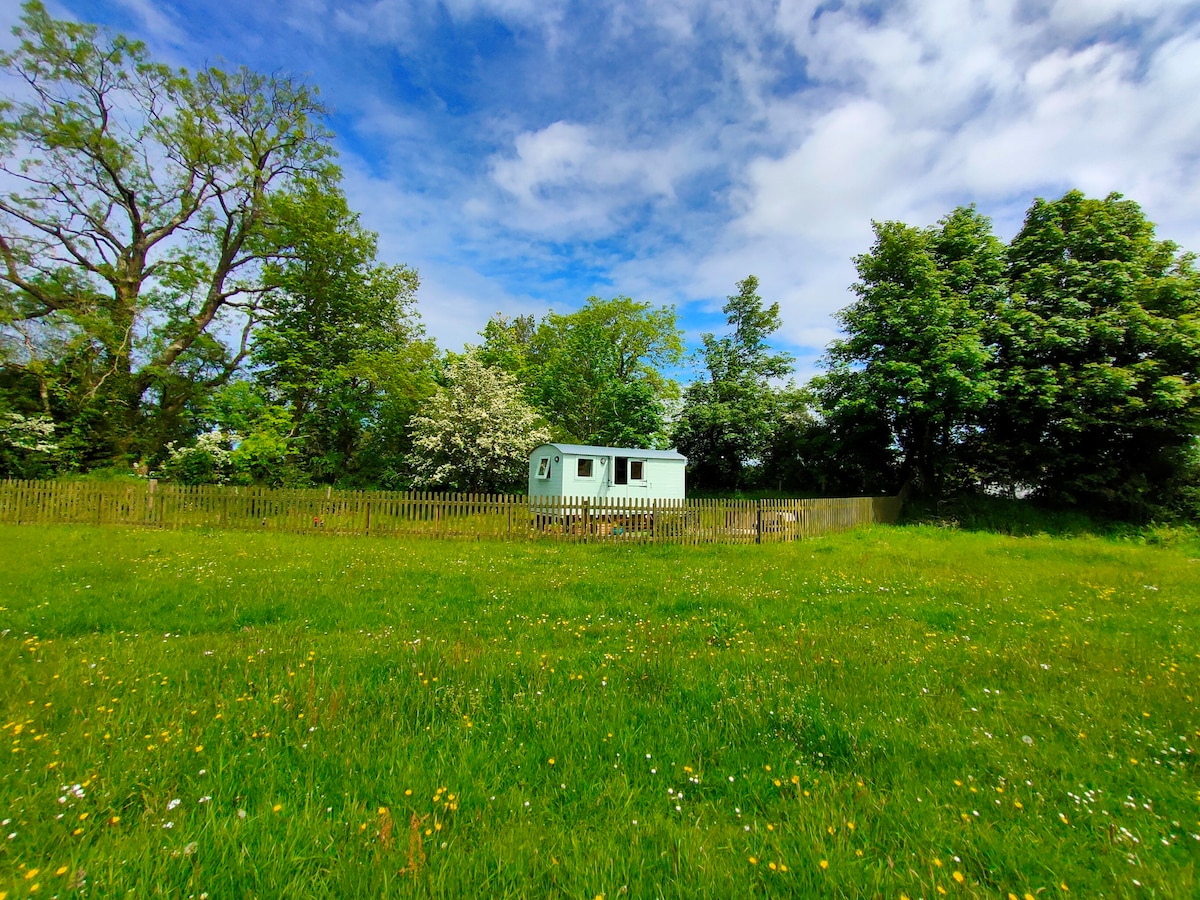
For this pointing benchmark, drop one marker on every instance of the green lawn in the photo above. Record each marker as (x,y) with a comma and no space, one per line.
(890,712)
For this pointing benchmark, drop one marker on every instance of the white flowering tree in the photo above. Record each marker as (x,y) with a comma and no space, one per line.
(27,446)
(476,433)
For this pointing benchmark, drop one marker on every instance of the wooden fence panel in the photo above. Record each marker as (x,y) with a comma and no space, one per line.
(458,516)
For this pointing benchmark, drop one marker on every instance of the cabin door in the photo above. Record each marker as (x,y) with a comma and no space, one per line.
(621,470)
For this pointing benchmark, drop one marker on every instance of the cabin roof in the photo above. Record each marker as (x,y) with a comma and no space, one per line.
(587,450)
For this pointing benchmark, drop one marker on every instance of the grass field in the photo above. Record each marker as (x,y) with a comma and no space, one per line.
(894,712)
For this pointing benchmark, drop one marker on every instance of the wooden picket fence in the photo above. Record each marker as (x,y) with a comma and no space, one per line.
(458,516)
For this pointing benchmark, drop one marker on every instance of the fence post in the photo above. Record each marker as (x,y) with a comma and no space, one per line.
(587,520)
(758,522)
(368,506)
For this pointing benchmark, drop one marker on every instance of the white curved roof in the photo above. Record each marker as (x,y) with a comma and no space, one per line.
(587,450)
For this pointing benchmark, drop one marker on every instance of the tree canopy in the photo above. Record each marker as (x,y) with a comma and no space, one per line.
(135,223)
(915,359)
(729,416)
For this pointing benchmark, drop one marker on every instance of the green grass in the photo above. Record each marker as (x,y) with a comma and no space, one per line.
(873,714)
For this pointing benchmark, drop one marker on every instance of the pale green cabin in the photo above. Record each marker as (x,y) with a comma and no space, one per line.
(617,473)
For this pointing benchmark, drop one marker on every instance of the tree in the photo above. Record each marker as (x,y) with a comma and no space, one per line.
(728,418)
(595,374)
(133,224)
(337,327)
(914,367)
(476,433)
(1099,357)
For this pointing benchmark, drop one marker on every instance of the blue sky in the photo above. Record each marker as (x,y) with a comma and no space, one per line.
(525,154)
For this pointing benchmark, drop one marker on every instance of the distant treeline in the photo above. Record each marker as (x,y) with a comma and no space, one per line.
(196,299)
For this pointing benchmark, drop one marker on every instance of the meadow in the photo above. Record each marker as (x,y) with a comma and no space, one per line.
(910,712)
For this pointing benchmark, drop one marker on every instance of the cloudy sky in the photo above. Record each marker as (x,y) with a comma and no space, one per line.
(525,154)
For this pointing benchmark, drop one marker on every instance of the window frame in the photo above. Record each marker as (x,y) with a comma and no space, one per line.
(637,466)
(544,468)
(591,467)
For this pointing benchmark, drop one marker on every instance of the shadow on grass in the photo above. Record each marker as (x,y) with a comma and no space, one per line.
(1024,518)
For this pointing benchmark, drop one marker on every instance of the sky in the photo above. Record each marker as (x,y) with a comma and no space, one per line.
(524,155)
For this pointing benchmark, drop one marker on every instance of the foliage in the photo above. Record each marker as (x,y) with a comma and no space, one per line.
(475,433)
(207,461)
(131,288)
(363,718)
(27,446)
(595,374)
(1099,350)
(339,334)
(914,365)
(728,420)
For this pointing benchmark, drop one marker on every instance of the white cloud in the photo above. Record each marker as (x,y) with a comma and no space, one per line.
(568,175)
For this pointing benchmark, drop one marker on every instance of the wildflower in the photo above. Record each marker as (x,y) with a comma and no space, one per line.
(824,864)
(277,807)
(958,876)
(754,860)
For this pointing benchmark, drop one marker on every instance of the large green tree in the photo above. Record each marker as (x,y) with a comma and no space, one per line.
(913,372)
(1099,357)
(597,374)
(133,222)
(341,346)
(730,415)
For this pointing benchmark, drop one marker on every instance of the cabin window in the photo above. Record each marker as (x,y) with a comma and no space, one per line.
(585,468)
(637,470)
(621,470)
(543,467)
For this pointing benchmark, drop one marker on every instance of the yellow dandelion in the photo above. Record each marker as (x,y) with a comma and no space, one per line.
(772,866)
(958,876)
(754,860)
(551,760)
(824,864)
(61,870)
(277,807)
(31,874)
